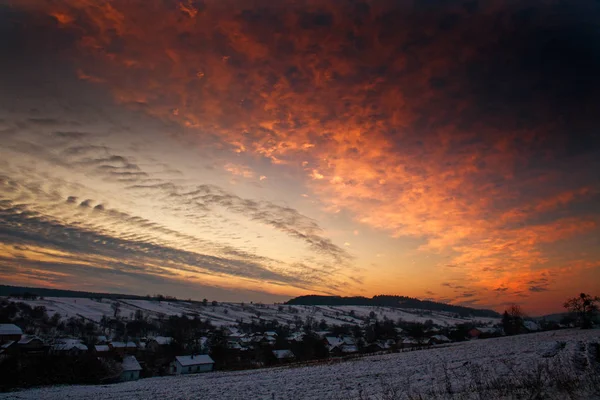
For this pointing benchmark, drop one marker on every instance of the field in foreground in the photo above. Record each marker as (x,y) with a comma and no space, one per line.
(558,364)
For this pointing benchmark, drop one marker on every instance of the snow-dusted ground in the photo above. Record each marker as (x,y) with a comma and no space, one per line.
(230,313)
(435,373)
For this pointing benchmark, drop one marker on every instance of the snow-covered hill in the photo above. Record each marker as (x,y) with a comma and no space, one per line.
(224,314)
(549,365)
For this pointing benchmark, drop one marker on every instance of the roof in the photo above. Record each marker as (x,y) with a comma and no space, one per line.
(26,339)
(333,341)
(197,359)
(282,354)
(123,344)
(69,344)
(440,338)
(163,340)
(130,363)
(10,329)
(102,347)
(7,344)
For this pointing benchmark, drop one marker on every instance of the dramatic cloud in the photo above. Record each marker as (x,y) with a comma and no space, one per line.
(461,133)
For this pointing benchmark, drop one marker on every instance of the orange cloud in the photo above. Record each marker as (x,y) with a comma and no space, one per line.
(393,136)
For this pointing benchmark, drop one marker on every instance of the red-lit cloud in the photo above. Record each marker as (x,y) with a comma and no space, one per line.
(391,110)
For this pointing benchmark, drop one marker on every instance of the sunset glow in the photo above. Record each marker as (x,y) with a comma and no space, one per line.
(257,150)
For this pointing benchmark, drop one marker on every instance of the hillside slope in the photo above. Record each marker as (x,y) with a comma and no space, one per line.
(509,367)
(226,314)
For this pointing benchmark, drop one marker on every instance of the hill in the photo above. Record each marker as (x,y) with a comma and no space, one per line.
(391,301)
(6,290)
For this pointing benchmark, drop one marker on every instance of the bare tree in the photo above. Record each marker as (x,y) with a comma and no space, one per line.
(584,307)
(116,306)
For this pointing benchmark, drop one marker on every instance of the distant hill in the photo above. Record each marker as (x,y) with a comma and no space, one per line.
(6,290)
(390,301)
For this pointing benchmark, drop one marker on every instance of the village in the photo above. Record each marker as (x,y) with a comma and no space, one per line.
(40,348)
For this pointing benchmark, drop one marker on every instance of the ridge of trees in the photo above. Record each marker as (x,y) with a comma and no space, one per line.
(390,301)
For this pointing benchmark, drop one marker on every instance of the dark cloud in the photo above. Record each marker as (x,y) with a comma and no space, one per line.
(72,199)
(537,289)
(70,134)
(86,203)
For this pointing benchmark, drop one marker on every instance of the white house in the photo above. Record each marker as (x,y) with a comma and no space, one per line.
(191,364)
(131,369)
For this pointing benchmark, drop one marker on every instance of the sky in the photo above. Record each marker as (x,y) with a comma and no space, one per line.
(253,150)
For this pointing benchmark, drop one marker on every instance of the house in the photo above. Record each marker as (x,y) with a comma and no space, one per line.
(438,339)
(123,347)
(408,343)
(131,369)
(68,346)
(191,364)
(31,344)
(373,347)
(10,332)
(478,332)
(155,343)
(283,355)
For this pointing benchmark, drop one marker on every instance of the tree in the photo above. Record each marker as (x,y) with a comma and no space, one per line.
(116,307)
(512,320)
(585,307)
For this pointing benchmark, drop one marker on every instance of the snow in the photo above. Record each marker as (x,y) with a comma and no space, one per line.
(228,314)
(419,371)
(198,359)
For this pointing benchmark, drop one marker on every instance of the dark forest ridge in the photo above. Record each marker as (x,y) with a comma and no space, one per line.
(6,290)
(390,301)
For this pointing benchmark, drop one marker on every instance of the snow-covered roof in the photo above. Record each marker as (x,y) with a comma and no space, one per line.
(10,329)
(487,330)
(163,340)
(531,325)
(333,341)
(130,363)
(440,338)
(26,339)
(101,348)
(271,333)
(7,344)
(123,344)
(194,360)
(69,344)
(283,354)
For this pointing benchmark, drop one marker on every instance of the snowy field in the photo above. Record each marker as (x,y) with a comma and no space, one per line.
(559,364)
(229,313)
